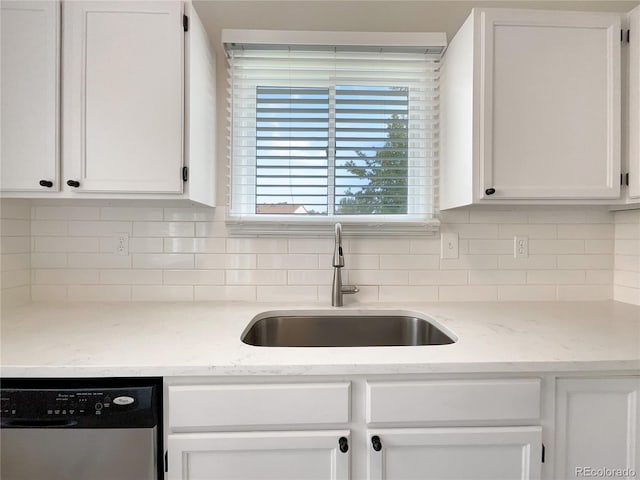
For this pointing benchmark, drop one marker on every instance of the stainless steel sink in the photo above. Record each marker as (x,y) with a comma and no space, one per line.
(342,329)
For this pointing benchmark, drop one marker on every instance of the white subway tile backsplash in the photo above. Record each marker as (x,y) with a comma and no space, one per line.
(236,293)
(287,293)
(48,293)
(392,293)
(526,293)
(15,227)
(49,228)
(163,229)
(182,253)
(65,277)
(470,262)
(438,277)
(220,260)
(48,260)
(16,245)
(312,277)
(425,246)
(65,212)
(194,245)
(162,293)
(559,247)
(498,215)
(557,277)
(131,213)
(473,293)
(287,262)
(542,231)
(586,231)
(497,277)
(592,262)
(256,277)
(578,293)
(98,260)
(485,247)
(599,246)
(194,277)
(211,229)
(98,229)
(98,293)
(131,277)
(378,277)
(67,244)
(409,262)
(15,278)
(257,245)
(162,260)
(532,262)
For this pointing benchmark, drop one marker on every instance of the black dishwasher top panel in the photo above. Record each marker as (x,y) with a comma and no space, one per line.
(73,404)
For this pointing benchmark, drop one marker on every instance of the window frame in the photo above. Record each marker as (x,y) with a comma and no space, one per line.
(248,223)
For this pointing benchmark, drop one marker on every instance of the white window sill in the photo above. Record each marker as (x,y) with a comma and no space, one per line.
(286,226)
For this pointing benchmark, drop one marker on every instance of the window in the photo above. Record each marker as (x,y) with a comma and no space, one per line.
(333,133)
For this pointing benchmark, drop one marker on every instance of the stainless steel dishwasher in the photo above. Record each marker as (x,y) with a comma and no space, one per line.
(81,429)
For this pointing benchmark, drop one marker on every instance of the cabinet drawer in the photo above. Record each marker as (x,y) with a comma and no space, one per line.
(454,401)
(258,404)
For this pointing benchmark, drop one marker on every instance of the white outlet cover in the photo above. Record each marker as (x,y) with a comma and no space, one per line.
(121,244)
(520,247)
(449,245)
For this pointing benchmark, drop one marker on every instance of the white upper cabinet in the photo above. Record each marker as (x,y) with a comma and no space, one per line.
(29,53)
(123,90)
(531,108)
(634,107)
(138,110)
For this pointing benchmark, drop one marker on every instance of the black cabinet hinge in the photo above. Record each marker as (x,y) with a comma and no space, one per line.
(185,23)
(543,452)
(185,174)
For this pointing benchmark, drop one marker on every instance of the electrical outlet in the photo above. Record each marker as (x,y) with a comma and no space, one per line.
(449,245)
(520,247)
(122,244)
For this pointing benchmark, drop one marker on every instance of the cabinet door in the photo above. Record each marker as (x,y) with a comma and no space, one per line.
(123,91)
(597,427)
(491,453)
(258,456)
(549,105)
(29,54)
(634,105)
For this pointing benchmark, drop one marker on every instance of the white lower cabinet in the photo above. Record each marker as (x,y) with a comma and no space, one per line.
(355,428)
(490,453)
(305,455)
(597,428)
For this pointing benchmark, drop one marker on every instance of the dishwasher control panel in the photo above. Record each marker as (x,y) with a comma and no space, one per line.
(79,407)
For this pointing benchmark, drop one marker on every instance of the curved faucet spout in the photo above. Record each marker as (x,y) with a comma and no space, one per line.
(338,290)
(338,258)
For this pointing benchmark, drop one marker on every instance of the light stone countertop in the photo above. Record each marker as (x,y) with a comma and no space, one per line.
(192,339)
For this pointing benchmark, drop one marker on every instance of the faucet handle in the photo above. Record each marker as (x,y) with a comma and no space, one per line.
(349,289)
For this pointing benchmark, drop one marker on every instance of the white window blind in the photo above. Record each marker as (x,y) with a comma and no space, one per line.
(333,133)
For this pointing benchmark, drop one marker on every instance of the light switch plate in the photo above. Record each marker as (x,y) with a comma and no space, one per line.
(449,245)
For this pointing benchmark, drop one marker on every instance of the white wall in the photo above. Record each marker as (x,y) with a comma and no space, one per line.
(15,249)
(627,257)
(179,253)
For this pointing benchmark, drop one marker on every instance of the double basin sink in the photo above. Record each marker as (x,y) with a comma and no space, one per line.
(332,328)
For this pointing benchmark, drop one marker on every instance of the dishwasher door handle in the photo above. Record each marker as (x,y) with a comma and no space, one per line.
(39,423)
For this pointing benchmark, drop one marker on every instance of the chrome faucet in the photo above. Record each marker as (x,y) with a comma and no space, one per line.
(338,290)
